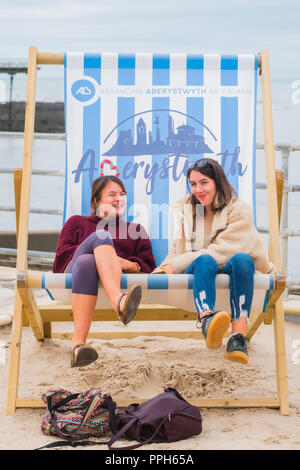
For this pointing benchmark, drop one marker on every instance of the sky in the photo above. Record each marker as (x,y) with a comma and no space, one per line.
(160,26)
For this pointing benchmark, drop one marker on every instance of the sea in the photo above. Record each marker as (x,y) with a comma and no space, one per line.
(48,192)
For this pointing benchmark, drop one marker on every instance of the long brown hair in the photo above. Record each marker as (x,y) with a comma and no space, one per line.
(98,185)
(224,191)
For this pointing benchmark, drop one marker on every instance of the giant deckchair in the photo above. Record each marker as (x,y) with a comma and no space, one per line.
(145,117)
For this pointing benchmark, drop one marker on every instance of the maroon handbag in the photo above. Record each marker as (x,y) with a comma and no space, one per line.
(168,417)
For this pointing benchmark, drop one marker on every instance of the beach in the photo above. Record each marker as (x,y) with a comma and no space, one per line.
(140,368)
(114,88)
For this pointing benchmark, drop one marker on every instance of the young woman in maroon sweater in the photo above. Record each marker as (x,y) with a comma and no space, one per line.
(103,246)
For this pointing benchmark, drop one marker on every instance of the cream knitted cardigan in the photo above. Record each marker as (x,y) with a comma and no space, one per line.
(232,232)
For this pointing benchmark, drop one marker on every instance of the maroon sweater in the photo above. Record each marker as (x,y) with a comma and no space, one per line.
(78,228)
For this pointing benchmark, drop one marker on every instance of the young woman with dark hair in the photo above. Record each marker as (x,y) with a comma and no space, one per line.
(101,246)
(217,235)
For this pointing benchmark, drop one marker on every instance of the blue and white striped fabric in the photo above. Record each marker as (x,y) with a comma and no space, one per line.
(145,117)
(174,289)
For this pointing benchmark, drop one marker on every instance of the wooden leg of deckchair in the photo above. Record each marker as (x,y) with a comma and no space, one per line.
(256,321)
(279,191)
(15,351)
(275,310)
(32,311)
(258,318)
(47,329)
(17,189)
(280,351)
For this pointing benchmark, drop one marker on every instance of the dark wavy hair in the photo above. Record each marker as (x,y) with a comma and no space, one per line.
(224,191)
(98,185)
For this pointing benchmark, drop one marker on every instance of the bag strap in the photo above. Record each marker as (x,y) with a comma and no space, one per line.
(134,446)
(54,406)
(121,432)
(69,442)
(111,406)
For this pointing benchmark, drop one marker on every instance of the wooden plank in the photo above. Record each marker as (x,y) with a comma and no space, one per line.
(62,312)
(22,199)
(275,295)
(15,352)
(127,333)
(27,161)
(17,191)
(270,160)
(235,402)
(254,325)
(34,280)
(47,329)
(280,358)
(274,242)
(32,312)
(280,187)
(50,58)
(199,402)
(30,403)
(273,210)
(54,58)
(133,334)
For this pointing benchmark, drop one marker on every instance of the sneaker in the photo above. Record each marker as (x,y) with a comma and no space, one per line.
(214,326)
(236,350)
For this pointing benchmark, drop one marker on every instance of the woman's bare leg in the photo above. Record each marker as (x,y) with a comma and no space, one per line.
(83,307)
(240,325)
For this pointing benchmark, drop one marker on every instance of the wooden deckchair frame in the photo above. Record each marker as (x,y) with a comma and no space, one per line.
(27,311)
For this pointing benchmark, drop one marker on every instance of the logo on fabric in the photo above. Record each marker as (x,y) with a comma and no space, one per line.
(83,90)
(174,144)
(183,141)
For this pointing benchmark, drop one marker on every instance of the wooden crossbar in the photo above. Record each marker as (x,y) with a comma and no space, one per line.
(199,402)
(52,58)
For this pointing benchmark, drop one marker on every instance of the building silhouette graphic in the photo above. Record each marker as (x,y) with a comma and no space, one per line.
(183,141)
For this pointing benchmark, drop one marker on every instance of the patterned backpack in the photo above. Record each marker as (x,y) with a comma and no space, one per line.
(78,416)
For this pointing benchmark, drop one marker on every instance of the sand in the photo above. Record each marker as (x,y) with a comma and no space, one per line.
(141,368)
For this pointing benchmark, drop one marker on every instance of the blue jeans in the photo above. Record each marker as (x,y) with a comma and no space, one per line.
(240,268)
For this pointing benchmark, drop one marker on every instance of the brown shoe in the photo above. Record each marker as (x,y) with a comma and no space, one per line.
(131,305)
(214,326)
(84,356)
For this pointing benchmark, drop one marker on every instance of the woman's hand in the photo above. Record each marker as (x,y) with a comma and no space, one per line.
(128,266)
(169,268)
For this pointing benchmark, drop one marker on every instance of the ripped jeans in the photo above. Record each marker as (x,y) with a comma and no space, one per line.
(241,270)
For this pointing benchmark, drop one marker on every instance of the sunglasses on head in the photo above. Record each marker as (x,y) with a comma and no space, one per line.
(200,164)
